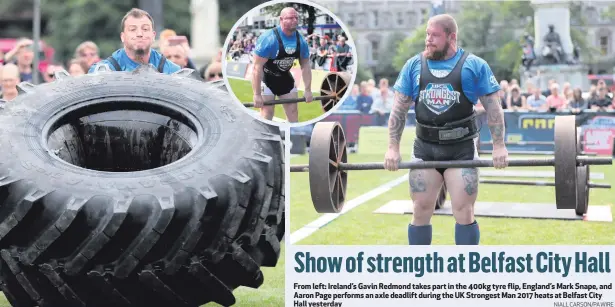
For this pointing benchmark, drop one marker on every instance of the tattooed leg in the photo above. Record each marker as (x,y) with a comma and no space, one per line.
(425,187)
(462,185)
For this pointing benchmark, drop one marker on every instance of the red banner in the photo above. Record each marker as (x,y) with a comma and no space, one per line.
(599,140)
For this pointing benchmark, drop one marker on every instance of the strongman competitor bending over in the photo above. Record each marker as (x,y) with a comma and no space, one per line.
(445,82)
(274,55)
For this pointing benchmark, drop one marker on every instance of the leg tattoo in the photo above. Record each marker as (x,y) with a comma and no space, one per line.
(470,177)
(417,182)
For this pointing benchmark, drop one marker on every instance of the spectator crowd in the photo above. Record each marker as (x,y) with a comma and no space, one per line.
(555,98)
(326,53)
(16,65)
(366,98)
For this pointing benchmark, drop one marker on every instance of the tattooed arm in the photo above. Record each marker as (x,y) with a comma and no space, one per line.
(397,120)
(495,117)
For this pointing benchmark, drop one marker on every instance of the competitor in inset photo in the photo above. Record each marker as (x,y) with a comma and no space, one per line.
(289,62)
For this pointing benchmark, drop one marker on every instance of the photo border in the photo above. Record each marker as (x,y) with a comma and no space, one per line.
(350,42)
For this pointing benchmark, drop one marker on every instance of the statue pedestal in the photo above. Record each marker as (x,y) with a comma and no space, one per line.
(205,32)
(556,13)
(576,75)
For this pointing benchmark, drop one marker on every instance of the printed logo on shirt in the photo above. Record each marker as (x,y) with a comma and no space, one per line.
(284,64)
(440,73)
(493,80)
(439,98)
(290,50)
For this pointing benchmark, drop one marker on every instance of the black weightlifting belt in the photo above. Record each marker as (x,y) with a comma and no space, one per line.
(450,133)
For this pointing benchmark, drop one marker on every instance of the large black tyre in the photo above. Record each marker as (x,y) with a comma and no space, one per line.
(181,234)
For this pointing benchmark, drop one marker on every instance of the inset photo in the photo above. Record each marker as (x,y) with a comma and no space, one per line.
(289,62)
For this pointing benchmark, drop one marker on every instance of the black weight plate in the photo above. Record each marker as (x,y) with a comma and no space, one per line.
(582,189)
(565,162)
(327,182)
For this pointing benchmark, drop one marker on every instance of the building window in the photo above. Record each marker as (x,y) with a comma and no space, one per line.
(350,19)
(400,19)
(329,20)
(375,47)
(373,20)
(604,45)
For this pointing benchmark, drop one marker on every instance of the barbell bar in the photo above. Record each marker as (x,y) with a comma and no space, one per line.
(532,153)
(590,185)
(528,143)
(332,90)
(289,100)
(455,164)
(328,166)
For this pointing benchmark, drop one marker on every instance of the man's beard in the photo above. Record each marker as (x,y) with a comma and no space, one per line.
(140,52)
(437,55)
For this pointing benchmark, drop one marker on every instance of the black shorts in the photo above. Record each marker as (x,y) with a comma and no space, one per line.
(425,151)
(279,85)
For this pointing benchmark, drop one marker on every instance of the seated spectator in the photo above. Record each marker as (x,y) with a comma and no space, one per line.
(213,72)
(601,102)
(78,67)
(22,55)
(537,102)
(343,55)
(350,103)
(50,74)
(365,100)
(556,101)
(601,84)
(176,54)
(9,81)
(515,100)
(382,102)
(577,104)
(236,51)
(371,86)
(503,97)
(593,92)
(547,92)
(88,52)
(529,89)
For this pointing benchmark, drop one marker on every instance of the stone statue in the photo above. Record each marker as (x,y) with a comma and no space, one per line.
(552,52)
(528,51)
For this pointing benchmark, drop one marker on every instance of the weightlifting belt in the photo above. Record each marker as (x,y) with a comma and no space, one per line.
(449,133)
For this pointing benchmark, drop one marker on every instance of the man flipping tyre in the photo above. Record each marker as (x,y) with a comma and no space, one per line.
(274,55)
(445,82)
(137,34)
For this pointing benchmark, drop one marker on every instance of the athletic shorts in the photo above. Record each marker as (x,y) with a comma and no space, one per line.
(279,85)
(425,151)
(267,91)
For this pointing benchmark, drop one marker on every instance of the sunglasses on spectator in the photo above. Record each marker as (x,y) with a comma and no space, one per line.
(215,74)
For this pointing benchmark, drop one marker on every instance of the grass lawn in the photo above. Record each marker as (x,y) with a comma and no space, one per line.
(307,111)
(361,226)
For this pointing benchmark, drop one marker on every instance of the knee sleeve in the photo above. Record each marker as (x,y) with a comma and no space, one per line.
(467,234)
(419,235)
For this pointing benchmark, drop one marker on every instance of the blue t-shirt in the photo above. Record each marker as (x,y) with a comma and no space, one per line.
(129,65)
(267,45)
(477,79)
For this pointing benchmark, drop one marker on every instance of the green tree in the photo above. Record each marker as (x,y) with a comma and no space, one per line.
(386,67)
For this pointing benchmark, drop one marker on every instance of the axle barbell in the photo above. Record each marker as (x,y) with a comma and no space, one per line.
(332,89)
(328,166)
(532,153)
(290,100)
